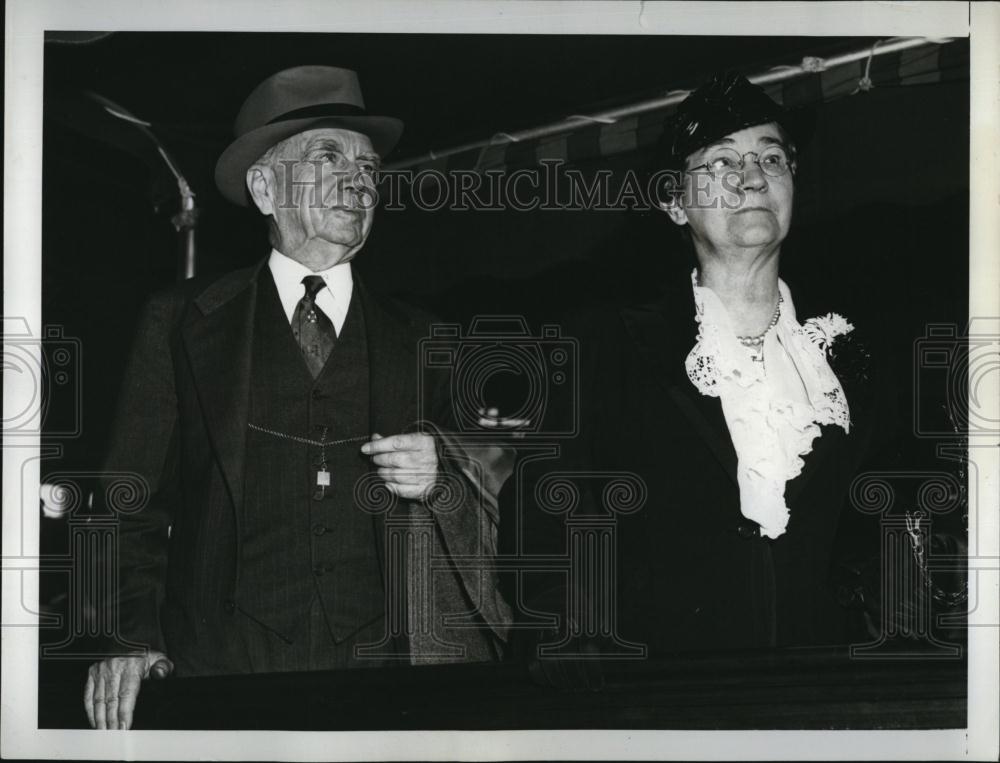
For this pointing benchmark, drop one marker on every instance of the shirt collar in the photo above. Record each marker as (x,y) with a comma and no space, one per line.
(288,275)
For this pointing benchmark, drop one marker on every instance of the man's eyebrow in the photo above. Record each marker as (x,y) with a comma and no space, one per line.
(322,143)
(327,144)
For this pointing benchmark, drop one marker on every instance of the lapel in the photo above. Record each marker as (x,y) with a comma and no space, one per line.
(807,305)
(391,363)
(392,385)
(217,337)
(664,333)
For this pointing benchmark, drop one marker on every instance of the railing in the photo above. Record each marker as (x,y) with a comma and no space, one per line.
(789,689)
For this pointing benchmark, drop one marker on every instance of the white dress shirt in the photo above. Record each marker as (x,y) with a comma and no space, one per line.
(333,300)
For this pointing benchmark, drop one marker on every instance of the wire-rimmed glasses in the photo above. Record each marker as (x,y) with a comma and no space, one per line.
(773,161)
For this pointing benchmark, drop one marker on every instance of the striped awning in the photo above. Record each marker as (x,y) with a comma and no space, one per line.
(813,81)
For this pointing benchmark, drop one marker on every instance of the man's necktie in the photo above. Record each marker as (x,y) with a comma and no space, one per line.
(312,328)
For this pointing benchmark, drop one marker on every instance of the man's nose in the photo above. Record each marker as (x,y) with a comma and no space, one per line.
(356,178)
(352,186)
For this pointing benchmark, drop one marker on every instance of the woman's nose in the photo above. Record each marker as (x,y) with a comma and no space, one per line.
(753,177)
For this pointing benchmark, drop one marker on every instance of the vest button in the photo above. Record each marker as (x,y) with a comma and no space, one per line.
(229,605)
(746,531)
(318,570)
(320,529)
(317,395)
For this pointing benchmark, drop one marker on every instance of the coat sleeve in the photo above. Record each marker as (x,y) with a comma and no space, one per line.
(139,485)
(472,479)
(464,509)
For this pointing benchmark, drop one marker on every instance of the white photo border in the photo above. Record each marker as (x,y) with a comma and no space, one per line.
(26,22)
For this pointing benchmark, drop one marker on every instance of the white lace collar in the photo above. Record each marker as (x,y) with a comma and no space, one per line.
(770,431)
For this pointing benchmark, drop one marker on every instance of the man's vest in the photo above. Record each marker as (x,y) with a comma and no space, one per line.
(298,537)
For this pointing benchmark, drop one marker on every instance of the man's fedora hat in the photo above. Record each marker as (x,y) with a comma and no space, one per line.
(290,102)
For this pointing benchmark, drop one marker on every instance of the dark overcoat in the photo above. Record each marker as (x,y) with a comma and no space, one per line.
(181,430)
(689,571)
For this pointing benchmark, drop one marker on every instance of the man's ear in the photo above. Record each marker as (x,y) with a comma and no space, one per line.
(260,183)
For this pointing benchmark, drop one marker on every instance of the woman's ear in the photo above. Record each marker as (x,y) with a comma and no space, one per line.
(669,195)
(675,211)
(260,183)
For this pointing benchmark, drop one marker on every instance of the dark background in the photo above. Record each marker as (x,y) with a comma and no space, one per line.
(881,216)
(881,227)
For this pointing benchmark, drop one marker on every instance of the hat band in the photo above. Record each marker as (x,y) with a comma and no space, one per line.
(321,110)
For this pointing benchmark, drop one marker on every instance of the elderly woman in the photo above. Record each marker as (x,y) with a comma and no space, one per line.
(769,372)
(717,407)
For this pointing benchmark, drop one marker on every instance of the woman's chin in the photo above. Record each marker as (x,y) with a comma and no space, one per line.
(756,235)
(754,242)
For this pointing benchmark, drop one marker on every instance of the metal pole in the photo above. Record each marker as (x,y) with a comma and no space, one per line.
(185,221)
(187,218)
(777,74)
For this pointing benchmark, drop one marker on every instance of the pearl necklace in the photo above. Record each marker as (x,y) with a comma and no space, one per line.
(758,339)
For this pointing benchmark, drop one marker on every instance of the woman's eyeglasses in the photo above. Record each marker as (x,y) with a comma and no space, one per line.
(773,161)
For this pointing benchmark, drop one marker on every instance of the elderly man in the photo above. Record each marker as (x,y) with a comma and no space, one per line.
(255,405)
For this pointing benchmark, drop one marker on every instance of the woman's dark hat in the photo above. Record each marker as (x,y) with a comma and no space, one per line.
(290,102)
(725,104)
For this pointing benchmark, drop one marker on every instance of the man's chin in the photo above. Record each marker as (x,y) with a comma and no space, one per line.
(342,226)
(349,239)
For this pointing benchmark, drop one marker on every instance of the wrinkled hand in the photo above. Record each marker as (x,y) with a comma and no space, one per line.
(407,462)
(113,687)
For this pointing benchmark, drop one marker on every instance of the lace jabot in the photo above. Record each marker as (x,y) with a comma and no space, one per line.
(770,428)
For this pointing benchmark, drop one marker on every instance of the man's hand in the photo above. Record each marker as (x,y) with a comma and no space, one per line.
(113,686)
(407,462)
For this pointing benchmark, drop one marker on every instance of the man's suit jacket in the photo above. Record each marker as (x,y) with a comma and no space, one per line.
(692,572)
(181,426)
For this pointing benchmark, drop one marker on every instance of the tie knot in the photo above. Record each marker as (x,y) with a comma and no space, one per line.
(313,285)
